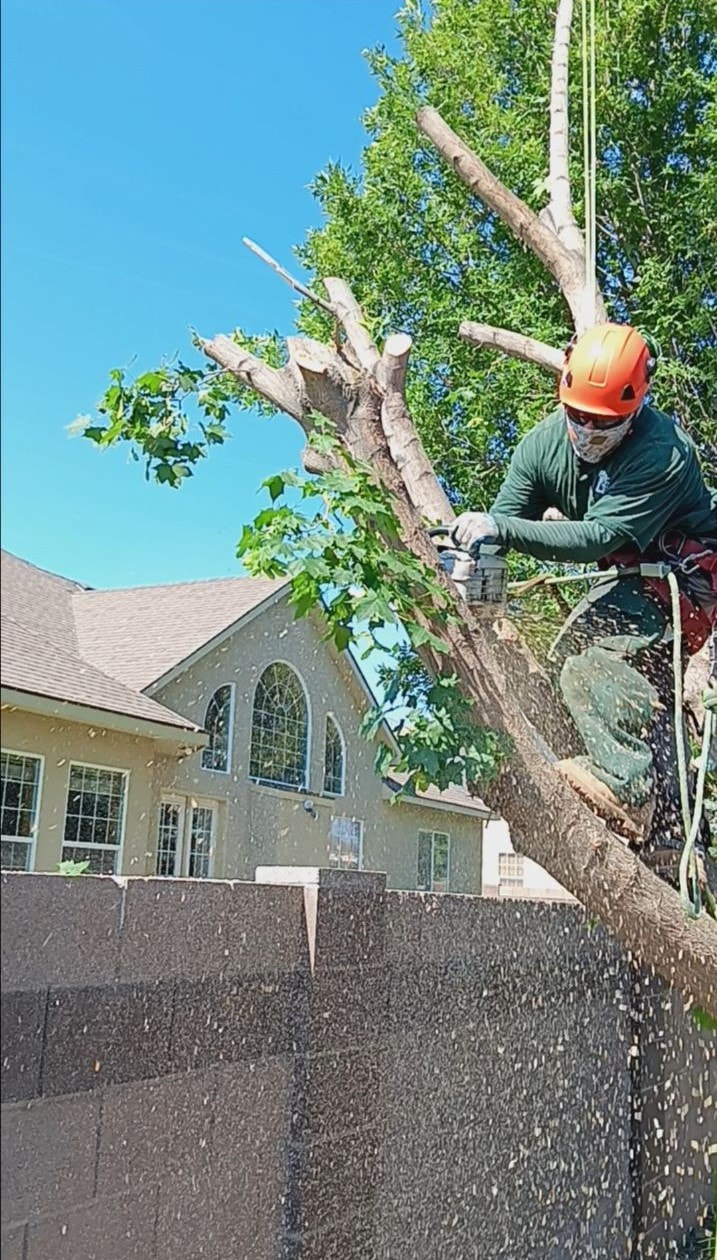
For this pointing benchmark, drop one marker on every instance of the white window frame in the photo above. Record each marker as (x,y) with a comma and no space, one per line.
(91,765)
(428,831)
(342,741)
(517,879)
(346,818)
(32,842)
(230,729)
(275,783)
(186,806)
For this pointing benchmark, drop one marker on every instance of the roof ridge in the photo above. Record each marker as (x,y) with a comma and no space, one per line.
(169,586)
(59,577)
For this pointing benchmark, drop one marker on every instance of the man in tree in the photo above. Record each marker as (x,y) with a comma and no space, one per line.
(626,481)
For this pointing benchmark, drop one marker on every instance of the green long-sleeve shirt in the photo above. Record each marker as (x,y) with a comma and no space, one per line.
(650,483)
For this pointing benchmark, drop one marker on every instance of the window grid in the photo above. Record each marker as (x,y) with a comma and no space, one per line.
(333,759)
(94,817)
(433,871)
(169,839)
(20,776)
(217,724)
(345,836)
(279,729)
(200,842)
(511,870)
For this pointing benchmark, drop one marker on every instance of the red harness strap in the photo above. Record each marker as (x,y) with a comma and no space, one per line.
(689,558)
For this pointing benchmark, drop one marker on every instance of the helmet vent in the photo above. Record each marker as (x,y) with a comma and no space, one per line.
(628,392)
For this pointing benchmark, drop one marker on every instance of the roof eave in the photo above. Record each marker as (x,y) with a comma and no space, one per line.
(49,706)
(471,811)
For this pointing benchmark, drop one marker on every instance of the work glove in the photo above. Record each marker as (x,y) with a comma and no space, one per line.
(470,529)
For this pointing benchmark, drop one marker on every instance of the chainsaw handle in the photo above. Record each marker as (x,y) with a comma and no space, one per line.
(446,531)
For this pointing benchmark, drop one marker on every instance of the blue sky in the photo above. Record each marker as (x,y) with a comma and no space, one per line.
(142,139)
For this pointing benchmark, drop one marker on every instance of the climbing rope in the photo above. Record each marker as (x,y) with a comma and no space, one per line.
(690,891)
(589,148)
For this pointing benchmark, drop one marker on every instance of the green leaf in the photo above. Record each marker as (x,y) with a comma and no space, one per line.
(703,1019)
(275,485)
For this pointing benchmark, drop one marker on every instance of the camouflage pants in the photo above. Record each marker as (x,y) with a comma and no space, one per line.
(613,659)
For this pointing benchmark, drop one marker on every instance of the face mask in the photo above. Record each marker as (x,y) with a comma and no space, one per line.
(592,445)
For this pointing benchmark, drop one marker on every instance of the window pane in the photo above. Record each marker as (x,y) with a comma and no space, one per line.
(93,817)
(345,843)
(425,850)
(280,729)
(333,759)
(18,808)
(101,861)
(511,869)
(440,862)
(15,855)
(168,838)
(216,723)
(200,842)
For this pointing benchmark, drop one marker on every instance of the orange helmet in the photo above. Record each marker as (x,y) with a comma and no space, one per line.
(607,371)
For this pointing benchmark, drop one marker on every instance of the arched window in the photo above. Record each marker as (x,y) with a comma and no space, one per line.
(334,767)
(217,724)
(279,729)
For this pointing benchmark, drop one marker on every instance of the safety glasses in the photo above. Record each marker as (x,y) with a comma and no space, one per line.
(585,419)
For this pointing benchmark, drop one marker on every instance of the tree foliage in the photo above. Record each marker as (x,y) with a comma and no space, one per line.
(421,254)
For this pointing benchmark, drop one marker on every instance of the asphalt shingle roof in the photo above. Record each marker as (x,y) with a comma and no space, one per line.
(41,654)
(139,633)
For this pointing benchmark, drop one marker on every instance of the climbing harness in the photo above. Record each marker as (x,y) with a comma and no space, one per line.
(691,893)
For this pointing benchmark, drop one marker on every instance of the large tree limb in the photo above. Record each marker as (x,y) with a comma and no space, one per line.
(564,265)
(515,344)
(560,205)
(548,822)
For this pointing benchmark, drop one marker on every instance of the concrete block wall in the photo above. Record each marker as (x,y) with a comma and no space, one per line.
(332,1072)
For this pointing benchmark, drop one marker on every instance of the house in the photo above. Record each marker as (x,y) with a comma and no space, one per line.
(198,729)
(510,874)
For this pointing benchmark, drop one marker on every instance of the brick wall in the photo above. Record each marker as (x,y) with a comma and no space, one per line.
(335,1072)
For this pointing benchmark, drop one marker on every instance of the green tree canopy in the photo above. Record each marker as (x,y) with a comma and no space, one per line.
(422,253)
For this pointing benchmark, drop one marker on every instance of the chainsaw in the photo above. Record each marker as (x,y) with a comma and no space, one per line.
(480,574)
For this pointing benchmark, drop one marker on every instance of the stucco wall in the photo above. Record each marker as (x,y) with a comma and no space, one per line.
(60,743)
(264,825)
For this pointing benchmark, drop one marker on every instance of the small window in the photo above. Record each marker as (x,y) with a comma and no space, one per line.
(345,843)
(201,838)
(279,729)
(185,838)
(433,872)
(511,870)
(333,759)
(20,801)
(217,724)
(169,838)
(94,817)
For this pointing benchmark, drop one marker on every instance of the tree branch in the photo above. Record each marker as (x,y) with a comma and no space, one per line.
(353,321)
(560,206)
(404,444)
(512,343)
(286,276)
(548,822)
(278,385)
(563,264)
